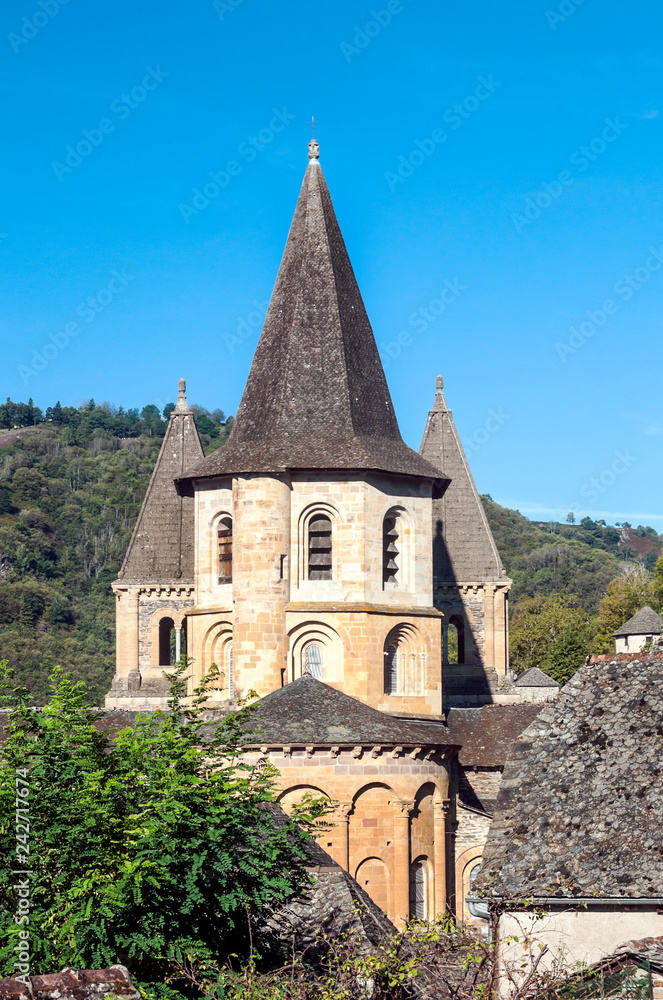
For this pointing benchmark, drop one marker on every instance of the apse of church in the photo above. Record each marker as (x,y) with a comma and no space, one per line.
(316,546)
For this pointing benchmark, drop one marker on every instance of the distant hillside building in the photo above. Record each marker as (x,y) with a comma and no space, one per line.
(316,545)
(639,630)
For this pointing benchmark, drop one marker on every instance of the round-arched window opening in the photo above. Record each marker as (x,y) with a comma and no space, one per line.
(225,550)
(166,642)
(391,669)
(313,661)
(320,547)
(477,908)
(390,551)
(456,640)
(418,890)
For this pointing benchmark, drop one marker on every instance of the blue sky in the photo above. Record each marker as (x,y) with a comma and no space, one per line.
(507,155)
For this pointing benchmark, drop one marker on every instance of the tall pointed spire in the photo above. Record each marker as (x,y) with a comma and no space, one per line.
(316,396)
(466,550)
(161,547)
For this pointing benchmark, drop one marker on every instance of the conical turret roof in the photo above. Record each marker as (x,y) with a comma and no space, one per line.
(316,395)
(464,549)
(162,545)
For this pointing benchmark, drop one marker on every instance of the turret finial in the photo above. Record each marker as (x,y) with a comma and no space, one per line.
(314,150)
(440,403)
(181,406)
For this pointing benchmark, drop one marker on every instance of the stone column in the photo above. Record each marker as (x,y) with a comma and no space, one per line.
(127,634)
(489,605)
(501,651)
(401,898)
(261,534)
(342,819)
(445,643)
(440,811)
(178,643)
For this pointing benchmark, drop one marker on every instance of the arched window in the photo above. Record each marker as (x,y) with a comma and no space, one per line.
(313,661)
(480,907)
(418,902)
(319,547)
(456,640)
(225,544)
(183,638)
(391,668)
(166,642)
(390,551)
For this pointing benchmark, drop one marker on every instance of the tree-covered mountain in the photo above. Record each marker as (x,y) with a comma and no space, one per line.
(580,558)
(72,480)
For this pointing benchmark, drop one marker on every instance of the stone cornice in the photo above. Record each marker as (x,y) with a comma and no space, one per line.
(341,607)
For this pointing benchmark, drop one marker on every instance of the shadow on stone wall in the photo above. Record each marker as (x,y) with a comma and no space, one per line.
(466,683)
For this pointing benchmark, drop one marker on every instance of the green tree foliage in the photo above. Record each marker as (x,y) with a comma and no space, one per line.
(149,845)
(658,585)
(553,633)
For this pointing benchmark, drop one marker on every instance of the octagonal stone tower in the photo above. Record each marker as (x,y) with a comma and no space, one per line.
(314,522)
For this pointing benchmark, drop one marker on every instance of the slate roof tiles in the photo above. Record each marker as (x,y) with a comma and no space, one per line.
(580,808)
(316,396)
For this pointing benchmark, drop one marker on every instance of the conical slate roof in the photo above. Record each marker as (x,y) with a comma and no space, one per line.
(310,712)
(464,548)
(644,622)
(162,545)
(316,395)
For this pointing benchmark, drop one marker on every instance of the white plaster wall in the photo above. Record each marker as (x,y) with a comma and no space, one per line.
(574,935)
(631,643)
